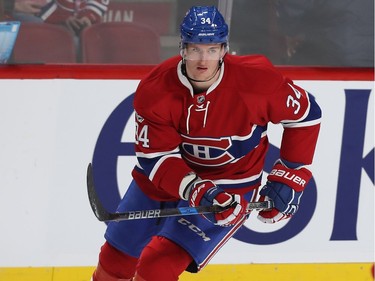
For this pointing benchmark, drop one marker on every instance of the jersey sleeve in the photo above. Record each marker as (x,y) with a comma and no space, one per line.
(94,10)
(300,116)
(276,99)
(157,145)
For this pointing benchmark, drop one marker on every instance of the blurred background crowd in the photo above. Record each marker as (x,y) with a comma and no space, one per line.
(338,33)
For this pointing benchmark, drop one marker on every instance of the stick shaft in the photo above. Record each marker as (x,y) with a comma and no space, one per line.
(103,215)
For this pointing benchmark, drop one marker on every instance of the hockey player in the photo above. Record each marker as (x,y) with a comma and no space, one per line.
(201,139)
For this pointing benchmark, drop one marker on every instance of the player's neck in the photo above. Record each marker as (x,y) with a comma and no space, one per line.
(200,87)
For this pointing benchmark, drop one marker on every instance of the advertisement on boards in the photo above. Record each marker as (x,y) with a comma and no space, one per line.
(52,129)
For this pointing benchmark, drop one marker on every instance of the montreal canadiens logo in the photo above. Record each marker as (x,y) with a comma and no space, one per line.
(207,151)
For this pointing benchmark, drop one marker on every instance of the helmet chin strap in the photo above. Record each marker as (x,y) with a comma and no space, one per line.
(184,72)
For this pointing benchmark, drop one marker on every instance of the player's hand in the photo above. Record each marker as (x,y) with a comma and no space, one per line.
(285,199)
(206,193)
(284,187)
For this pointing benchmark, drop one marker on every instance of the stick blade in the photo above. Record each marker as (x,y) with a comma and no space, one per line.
(98,209)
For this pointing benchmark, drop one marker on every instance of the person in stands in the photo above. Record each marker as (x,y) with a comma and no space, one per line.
(74,14)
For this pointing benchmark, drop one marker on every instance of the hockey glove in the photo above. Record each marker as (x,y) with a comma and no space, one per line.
(206,193)
(284,187)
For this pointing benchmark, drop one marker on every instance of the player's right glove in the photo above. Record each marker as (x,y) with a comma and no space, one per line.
(206,193)
(284,187)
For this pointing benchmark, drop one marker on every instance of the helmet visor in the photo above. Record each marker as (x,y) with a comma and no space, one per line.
(197,52)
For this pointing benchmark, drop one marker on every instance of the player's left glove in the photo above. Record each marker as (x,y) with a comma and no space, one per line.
(284,187)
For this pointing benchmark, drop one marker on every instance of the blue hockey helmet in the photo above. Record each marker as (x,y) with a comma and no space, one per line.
(203,25)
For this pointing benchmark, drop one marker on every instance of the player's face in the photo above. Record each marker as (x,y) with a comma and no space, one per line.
(202,60)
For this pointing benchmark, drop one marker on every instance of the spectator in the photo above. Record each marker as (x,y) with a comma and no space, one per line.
(75,14)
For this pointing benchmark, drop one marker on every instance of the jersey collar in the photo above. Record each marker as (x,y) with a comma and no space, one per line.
(187,84)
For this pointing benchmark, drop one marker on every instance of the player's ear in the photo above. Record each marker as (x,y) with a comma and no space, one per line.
(223,51)
(183,53)
(183,50)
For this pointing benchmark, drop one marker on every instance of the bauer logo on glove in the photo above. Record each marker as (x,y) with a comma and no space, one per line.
(289,176)
(284,187)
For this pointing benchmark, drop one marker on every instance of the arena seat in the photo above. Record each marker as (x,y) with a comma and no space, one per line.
(119,43)
(44,43)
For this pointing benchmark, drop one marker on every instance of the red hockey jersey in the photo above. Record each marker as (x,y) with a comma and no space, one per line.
(220,134)
(58,11)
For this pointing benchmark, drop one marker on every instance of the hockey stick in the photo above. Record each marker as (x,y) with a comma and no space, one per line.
(103,215)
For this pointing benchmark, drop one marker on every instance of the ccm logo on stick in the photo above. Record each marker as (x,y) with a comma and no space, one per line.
(289,176)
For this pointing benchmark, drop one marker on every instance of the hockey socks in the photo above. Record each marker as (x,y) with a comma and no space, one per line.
(162,259)
(114,265)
